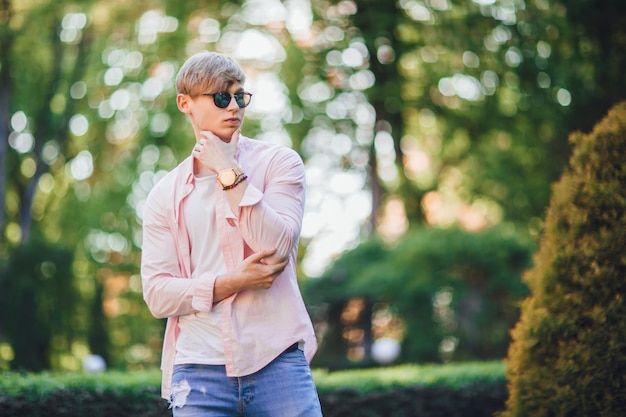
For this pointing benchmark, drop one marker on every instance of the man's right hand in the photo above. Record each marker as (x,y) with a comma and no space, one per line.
(254,273)
(214,153)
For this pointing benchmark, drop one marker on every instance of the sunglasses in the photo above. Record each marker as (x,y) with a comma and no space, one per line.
(222,98)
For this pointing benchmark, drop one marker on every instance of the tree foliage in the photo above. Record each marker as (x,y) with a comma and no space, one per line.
(38,305)
(567,357)
(477,97)
(457,110)
(454,292)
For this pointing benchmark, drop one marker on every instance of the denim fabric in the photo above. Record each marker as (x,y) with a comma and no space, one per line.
(284,388)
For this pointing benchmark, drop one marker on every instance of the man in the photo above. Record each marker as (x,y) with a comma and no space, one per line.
(220,236)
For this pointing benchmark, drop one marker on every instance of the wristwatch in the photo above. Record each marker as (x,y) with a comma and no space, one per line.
(228,177)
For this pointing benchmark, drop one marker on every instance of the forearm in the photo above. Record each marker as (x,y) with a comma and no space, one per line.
(234,196)
(225,286)
(262,227)
(168,294)
(168,297)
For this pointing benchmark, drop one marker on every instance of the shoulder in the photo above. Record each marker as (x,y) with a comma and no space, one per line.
(166,184)
(271,152)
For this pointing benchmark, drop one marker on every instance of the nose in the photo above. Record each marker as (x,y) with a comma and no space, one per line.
(232,104)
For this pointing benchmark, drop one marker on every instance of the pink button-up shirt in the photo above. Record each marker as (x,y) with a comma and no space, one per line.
(257,324)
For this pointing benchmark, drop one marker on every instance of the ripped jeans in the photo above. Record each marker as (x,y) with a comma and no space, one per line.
(284,388)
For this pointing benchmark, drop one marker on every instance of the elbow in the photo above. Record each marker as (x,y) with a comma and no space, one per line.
(158,314)
(153,306)
(153,312)
(286,246)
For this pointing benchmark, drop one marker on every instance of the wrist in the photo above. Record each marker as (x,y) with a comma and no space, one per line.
(230,177)
(238,181)
(225,286)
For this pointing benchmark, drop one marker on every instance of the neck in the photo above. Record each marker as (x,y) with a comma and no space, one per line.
(200,170)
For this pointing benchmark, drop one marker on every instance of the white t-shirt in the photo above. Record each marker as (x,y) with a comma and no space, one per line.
(200,339)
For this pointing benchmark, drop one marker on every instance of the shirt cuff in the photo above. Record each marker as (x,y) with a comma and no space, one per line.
(251,196)
(202,299)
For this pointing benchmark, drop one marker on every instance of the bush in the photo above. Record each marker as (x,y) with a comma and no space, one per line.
(468,389)
(419,401)
(73,395)
(568,357)
(473,389)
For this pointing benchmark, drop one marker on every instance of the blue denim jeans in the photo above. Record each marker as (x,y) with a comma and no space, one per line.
(284,388)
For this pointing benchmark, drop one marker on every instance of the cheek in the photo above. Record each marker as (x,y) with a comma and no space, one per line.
(205,119)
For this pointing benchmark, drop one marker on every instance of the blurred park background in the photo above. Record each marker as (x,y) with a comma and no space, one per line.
(431,131)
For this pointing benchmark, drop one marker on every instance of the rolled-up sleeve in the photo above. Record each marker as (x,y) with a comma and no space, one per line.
(272,218)
(167,290)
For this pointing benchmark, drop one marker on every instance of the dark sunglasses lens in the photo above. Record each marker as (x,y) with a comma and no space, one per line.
(221,99)
(242,99)
(239,99)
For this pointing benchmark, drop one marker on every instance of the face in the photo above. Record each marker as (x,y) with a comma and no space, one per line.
(205,115)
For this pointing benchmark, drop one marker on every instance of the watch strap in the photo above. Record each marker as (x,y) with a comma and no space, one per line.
(238,181)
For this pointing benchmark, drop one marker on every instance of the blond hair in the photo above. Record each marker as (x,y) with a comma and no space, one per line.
(208,72)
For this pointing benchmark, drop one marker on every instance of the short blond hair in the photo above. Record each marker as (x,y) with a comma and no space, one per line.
(208,72)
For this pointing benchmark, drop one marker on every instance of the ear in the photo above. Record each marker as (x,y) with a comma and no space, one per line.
(182,101)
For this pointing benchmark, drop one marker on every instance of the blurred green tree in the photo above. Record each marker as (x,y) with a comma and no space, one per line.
(477,97)
(488,93)
(38,305)
(458,110)
(453,292)
(41,301)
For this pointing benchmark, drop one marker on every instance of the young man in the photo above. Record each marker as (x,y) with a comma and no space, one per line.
(220,236)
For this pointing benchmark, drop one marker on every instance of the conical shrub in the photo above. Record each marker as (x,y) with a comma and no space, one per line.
(568,354)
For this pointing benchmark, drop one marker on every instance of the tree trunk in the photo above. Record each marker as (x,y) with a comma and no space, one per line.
(6,39)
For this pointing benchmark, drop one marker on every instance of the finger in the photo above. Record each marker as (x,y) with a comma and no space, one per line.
(208,135)
(258,256)
(278,268)
(282,264)
(235,137)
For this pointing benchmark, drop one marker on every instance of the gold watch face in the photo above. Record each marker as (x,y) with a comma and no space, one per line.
(227,177)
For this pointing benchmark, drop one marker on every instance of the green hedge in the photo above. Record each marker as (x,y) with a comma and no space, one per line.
(568,356)
(474,389)
(467,389)
(86,395)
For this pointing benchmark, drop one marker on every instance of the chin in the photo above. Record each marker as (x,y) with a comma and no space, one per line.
(226,135)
